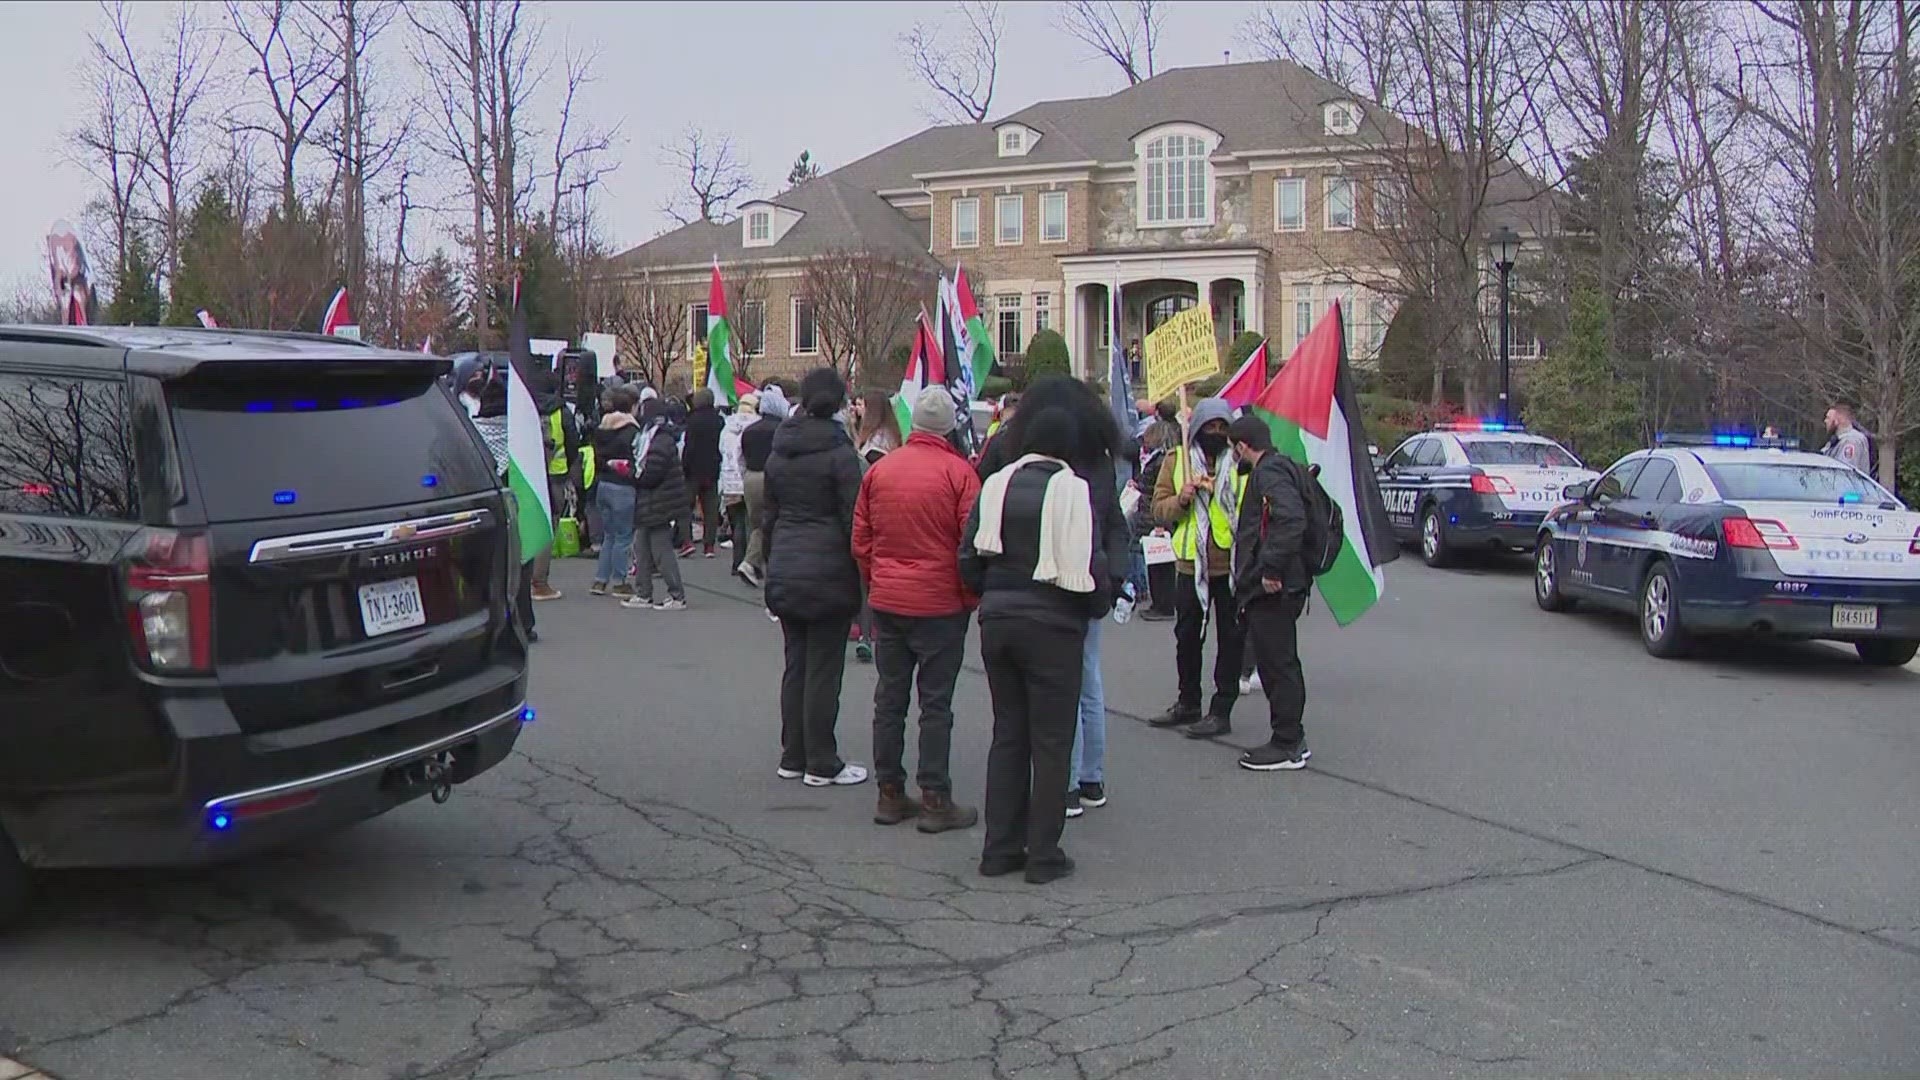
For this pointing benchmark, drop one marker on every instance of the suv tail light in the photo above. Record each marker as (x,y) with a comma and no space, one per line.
(1488,485)
(1913,545)
(1758,534)
(170,601)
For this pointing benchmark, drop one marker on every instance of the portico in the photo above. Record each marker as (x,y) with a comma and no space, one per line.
(1154,286)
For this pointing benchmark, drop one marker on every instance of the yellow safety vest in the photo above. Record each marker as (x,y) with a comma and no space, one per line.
(1185,548)
(557,464)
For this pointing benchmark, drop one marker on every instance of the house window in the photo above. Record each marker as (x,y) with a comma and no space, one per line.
(751,328)
(1342,118)
(1290,204)
(1237,313)
(1011,141)
(1302,313)
(1176,181)
(696,326)
(1389,201)
(1343,296)
(759,227)
(1042,311)
(1166,308)
(1010,340)
(806,328)
(1009,219)
(1339,202)
(1053,217)
(1371,329)
(966,222)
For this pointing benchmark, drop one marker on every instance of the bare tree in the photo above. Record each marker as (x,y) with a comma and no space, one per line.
(361,151)
(863,303)
(167,86)
(579,151)
(298,75)
(112,147)
(1126,33)
(649,318)
(711,175)
(958,64)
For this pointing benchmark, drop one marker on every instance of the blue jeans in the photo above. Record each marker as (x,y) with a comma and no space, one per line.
(616,519)
(1088,763)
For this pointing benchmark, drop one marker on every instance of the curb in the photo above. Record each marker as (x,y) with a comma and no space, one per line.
(14,1070)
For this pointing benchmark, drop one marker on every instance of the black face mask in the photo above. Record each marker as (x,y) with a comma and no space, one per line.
(1214,445)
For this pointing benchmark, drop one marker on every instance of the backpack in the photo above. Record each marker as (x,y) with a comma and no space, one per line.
(1326,525)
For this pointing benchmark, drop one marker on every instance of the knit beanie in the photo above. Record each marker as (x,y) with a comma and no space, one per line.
(933,411)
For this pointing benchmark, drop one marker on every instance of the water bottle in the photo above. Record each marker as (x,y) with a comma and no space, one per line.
(1123,607)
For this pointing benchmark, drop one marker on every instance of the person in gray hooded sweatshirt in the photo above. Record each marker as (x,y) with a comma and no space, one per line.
(1197,495)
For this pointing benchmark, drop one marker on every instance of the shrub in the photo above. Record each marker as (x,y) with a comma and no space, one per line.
(1243,346)
(1047,352)
(995,385)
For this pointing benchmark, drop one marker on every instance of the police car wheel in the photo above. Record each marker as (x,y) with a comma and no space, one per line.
(1546,579)
(1886,653)
(14,883)
(1433,539)
(1660,629)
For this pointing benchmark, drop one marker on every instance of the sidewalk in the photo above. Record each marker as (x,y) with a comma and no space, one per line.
(13,1070)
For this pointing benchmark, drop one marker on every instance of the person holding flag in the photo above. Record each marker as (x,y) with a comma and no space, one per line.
(527,461)
(720,378)
(1270,584)
(1197,495)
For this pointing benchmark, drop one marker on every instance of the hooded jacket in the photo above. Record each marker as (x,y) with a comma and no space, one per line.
(662,486)
(813,485)
(732,476)
(1169,509)
(702,453)
(613,443)
(1271,529)
(756,443)
(907,528)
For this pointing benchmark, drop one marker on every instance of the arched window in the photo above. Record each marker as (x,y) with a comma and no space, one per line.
(1174,181)
(1166,307)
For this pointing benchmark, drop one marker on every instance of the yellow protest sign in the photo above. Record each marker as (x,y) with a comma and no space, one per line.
(699,366)
(1181,350)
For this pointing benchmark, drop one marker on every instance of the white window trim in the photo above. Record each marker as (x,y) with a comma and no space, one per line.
(744,305)
(763,217)
(1020,220)
(693,340)
(1020,313)
(1279,223)
(1351,108)
(793,328)
(1034,304)
(1012,142)
(1211,141)
(954,236)
(1326,203)
(1065,228)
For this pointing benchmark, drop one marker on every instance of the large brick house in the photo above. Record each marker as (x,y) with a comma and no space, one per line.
(1245,186)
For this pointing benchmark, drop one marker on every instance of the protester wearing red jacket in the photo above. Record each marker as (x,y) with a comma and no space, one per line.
(907,527)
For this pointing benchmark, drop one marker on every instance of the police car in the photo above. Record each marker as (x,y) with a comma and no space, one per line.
(1475,484)
(1723,535)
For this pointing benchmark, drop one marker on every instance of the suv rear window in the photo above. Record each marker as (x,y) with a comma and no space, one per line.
(1516,452)
(1793,483)
(280,451)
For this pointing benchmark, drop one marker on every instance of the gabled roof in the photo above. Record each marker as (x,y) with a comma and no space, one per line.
(839,215)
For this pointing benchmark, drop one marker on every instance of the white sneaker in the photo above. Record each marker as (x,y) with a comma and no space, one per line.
(670,605)
(1251,683)
(635,603)
(750,574)
(771,617)
(850,773)
(789,774)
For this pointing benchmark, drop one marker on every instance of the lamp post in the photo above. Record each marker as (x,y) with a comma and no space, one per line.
(1504,244)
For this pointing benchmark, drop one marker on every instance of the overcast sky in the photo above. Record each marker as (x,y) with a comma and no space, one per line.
(826,77)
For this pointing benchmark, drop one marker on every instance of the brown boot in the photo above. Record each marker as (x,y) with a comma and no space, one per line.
(894,806)
(942,813)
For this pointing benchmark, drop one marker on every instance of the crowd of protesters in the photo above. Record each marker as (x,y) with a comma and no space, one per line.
(898,541)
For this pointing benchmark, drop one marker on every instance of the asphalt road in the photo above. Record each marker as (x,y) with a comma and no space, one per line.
(1525,849)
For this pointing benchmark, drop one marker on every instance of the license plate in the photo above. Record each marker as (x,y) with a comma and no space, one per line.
(388,606)
(1856,617)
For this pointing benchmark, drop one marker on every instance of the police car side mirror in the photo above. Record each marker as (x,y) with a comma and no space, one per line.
(1577,492)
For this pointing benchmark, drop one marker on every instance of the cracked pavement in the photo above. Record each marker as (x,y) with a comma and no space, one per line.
(1525,849)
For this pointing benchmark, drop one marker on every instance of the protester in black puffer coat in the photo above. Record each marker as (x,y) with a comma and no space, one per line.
(660,496)
(813,584)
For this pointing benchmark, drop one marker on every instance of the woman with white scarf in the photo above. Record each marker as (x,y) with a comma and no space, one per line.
(1035,553)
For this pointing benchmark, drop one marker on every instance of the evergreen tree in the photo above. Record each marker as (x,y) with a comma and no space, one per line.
(211,251)
(136,299)
(1574,394)
(803,169)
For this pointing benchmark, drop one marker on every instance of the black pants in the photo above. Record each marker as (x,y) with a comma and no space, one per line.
(1033,673)
(907,652)
(1273,631)
(737,526)
(523,597)
(1189,625)
(810,695)
(706,496)
(1160,585)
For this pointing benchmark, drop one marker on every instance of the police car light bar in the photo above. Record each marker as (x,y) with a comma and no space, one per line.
(1493,426)
(1737,440)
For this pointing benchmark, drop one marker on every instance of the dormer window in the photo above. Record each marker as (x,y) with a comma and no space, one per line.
(762,224)
(759,227)
(1342,118)
(1015,140)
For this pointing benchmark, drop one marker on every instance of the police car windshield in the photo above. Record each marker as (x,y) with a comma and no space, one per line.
(1780,482)
(1514,452)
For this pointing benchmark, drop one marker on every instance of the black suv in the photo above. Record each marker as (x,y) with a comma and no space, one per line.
(252,587)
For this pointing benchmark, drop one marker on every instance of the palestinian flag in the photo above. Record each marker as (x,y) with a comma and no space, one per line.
(925,367)
(975,358)
(526,447)
(1245,384)
(1315,418)
(338,321)
(719,344)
